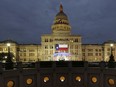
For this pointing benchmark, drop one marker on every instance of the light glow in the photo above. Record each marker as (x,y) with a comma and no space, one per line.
(8,44)
(111,45)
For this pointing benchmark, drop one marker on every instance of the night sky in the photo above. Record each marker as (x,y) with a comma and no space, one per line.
(26,20)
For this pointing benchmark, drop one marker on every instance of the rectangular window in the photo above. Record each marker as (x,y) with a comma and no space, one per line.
(83,50)
(46,40)
(31,54)
(51,40)
(99,54)
(46,51)
(76,46)
(1,49)
(108,49)
(96,50)
(31,50)
(71,46)
(76,40)
(24,54)
(51,47)
(99,50)
(96,54)
(83,54)
(90,54)
(46,47)
(90,50)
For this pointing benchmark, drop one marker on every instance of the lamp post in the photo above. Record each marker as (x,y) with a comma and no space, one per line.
(8,45)
(111,63)
(9,56)
(9,63)
(111,53)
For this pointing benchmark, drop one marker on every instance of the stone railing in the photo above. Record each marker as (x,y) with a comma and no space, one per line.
(58,74)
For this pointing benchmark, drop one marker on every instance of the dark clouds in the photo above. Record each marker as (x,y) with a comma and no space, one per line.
(26,20)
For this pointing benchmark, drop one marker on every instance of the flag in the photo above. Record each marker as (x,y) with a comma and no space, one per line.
(61,47)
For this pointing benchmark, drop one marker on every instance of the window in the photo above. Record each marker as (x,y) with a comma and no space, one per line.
(31,50)
(46,47)
(62,78)
(99,50)
(94,79)
(51,47)
(51,51)
(10,83)
(99,54)
(108,49)
(5,49)
(96,54)
(31,54)
(76,40)
(96,50)
(46,51)
(78,78)
(46,40)
(71,47)
(1,49)
(83,50)
(24,54)
(90,54)
(76,46)
(83,54)
(111,82)
(90,50)
(51,40)
(23,50)
(29,81)
(20,54)
(46,79)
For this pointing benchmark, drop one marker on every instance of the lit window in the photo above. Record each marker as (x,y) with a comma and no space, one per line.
(29,81)
(111,82)
(94,79)
(78,78)
(62,78)
(10,83)
(46,79)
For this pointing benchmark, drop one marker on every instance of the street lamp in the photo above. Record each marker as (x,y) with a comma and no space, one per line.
(111,58)
(111,45)
(8,45)
(9,63)
(111,55)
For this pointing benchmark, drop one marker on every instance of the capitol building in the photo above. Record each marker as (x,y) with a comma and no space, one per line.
(60,45)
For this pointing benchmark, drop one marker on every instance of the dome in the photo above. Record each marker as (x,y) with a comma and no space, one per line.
(61,24)
(61,14)
(61,17)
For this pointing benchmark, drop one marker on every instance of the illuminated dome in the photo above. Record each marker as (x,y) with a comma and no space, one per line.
(61,24)
(61,17)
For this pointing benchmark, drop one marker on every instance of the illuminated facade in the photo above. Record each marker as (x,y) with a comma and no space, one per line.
(61,37)
(60,45)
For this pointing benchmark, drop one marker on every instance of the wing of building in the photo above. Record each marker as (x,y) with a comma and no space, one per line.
(60,45)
